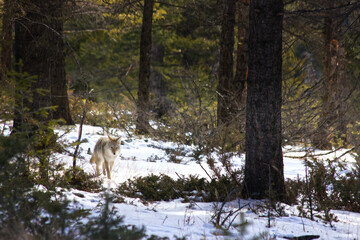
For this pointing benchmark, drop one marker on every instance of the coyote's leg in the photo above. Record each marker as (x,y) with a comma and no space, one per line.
(111,166)
(107,166)
(104,168)
(98,168)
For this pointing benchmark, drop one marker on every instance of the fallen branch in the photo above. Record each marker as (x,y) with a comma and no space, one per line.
(303,237)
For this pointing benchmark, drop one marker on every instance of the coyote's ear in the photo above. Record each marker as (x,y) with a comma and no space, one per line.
(113,139)
(110,137)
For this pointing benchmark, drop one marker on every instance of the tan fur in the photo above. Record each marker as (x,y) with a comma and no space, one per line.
(106,150)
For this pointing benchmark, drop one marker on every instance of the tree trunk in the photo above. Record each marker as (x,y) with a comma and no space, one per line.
(226,62)
(331,117)
(19,120)
(242,59)
(264,175)
(59,87)
(342,88)
(161,104)
(39,46)
(142,121)
(31,44)
(6,44)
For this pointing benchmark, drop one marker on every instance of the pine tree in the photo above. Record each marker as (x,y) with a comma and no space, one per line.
(226,62)
(7,31)
(59,85)
(40,49)
(333,80)
(142,121)
(264,175)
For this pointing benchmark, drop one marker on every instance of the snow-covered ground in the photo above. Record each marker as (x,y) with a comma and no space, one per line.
(141,157)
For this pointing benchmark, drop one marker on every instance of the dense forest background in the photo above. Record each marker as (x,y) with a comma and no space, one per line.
(226,76)
(184,65)
(101,41)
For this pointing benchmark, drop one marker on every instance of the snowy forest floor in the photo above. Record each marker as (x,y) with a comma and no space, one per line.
(144,156)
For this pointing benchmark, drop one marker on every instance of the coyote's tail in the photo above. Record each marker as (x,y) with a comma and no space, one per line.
(92,159)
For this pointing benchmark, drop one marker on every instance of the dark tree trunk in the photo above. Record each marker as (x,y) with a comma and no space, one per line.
(264,175)
(322,137)
(242,59)
(19,120)
(6,44)
(31,37)
(59,85)
(142,121)
(39,46)
(333,77)
(157,84)
(343,89)
(226,62)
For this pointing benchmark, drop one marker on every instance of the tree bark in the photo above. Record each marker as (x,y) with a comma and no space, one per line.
(142,121)
(226,62)
(161,104)
(30,39)
(39,46)
(242,59)
(7,40)
(331,118)
(59,84)
(264,177)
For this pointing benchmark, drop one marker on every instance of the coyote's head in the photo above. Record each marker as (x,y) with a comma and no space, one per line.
(114,145)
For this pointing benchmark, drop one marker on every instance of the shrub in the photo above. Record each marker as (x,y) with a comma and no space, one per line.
(81,180)
(150,188)
(32,211)
(164,188)
(326,189)
(105,114)
(27,209)
(108,225)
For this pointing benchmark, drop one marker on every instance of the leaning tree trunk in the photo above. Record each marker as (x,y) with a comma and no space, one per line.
(142,121)
(226,62)
(264,177)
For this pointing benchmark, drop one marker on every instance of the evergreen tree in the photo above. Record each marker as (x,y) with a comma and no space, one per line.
(39,47)
(226,62)
(231,88)
(333,77)
(59,85)
(161,104)
(242,58)
(7,31)
(32,50)
(142,121)
(264,175)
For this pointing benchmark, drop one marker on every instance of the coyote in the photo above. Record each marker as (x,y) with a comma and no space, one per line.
(106,150)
